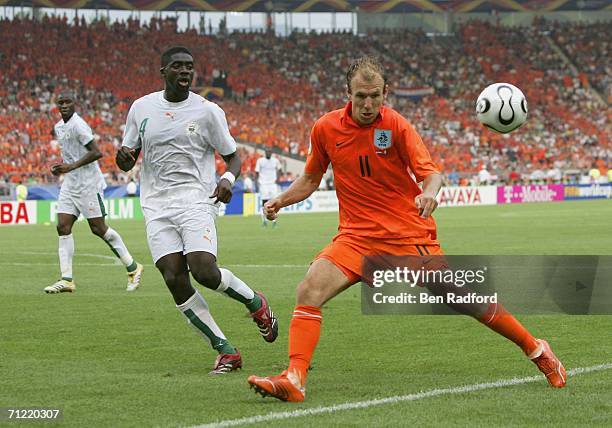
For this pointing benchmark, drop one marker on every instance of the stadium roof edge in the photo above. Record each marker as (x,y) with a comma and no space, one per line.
(366,6)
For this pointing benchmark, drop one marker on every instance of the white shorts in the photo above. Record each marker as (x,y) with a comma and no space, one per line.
(91,205)
(182,232)
(268,191)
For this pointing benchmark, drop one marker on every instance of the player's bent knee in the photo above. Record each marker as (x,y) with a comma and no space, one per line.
(170,279)
(323,281)
(311,293)
(98,231)
(179,286)
(209,276)
(175,280)
(63,230)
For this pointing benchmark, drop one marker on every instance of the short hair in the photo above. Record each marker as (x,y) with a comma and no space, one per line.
(167,55)
(368,66)
(66,93)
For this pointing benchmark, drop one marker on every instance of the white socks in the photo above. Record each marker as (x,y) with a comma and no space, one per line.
(112,238)
(114,241)
(198,315)
(230,284)
(66,252)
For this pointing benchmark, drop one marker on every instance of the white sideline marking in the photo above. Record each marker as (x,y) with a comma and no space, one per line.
(118,263)
(267,266)
(53,264)
(395,399)
(115,260)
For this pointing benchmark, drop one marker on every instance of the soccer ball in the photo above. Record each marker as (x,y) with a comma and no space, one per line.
(501,107)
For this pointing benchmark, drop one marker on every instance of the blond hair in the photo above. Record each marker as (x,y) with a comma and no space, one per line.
(368,67)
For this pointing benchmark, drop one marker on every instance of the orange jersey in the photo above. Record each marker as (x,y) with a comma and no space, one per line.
(372,168)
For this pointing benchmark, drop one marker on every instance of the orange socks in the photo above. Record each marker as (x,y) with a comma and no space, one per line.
(501,321)
(305,329)
(304,332)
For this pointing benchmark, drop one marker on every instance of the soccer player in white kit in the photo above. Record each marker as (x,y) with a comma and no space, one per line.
(178,132)
(267,170)
(82,193)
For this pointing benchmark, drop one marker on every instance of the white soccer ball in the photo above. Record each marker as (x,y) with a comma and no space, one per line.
(501,107)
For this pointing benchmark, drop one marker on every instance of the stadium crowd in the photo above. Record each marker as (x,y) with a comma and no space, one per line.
(589,48)
(278,86)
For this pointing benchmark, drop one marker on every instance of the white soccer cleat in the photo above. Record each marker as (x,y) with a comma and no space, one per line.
(134,278)
(61,286)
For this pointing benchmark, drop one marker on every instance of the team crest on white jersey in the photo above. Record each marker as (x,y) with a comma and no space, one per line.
(192,128)
(382,139)
(63,134)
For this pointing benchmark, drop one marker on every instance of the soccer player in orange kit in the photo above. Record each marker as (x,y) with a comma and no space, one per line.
(378,158)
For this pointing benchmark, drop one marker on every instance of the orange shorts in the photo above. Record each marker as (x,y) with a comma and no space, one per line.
(347,252)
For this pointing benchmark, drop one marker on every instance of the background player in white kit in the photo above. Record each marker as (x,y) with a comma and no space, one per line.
(82,193)
(178,132)
(267,170)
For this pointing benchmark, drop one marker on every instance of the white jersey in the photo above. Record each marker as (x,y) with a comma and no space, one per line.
(267,168)
(73,136)
(178,141)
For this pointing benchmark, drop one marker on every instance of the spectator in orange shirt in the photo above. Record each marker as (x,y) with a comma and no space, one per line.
(373,151)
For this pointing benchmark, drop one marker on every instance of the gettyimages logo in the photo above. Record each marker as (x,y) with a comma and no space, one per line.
(412,278)
(447,285)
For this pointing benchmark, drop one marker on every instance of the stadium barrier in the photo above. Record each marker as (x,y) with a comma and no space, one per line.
(318,202)
(116,209)
(18,212)
(326,201)
(45,211)
(530,193)
(456,196)
(587,191)
(246,204)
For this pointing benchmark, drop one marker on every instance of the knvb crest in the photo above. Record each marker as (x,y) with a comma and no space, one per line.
(382,139)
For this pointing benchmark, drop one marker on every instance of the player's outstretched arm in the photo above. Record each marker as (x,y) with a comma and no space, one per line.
(299,190)
(92,155)
(426,201)
(126,158)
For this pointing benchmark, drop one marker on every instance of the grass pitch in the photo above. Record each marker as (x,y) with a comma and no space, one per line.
(109,358)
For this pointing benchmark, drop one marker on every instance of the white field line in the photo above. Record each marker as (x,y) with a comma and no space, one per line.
(267,266)
(54,264)
(46,253)
(395,399)
(151,265)
(117,262)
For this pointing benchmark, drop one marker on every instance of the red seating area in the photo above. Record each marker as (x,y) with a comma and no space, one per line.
(281,85)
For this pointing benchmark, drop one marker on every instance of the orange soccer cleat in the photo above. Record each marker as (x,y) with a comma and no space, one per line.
(550,365)
(285,387)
